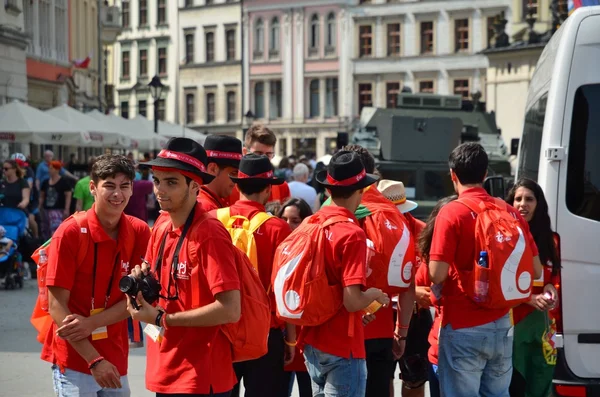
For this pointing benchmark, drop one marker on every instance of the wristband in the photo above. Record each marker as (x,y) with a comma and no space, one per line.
(290,344)
(402,326)
(92,364)
(164,321)
(159,317)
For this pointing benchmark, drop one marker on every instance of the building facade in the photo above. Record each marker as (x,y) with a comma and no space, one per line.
(294,72)
(429,47)
(145,48)
(13,42)
(210,72)
(49,79)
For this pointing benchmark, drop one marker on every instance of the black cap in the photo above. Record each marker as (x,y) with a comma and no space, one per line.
(223,150)
(256,168)
(345,171)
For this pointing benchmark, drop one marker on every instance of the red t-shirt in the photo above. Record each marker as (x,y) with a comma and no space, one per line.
(416,226)
(454,243)
(383,325)
(210,201)
(191,360)
(268,237)
(279,195)
(114,259)
(345,264)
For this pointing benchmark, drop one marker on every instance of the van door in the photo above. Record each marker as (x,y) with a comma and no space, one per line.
(578,205)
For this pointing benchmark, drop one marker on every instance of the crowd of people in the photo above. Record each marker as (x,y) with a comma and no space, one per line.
(384,317)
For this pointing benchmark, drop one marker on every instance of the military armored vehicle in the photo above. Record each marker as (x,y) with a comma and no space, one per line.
(411,143)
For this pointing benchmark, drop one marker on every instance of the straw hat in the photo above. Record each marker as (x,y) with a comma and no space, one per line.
(396,193)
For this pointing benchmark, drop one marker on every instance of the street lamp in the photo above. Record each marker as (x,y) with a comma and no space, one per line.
(156,89)
(249,116)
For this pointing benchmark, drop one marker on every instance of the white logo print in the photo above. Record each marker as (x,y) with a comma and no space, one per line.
(124,268)
(397,265)
(389,225)
(285,251)
(501,237)
(290,302)
(182,271)
(511,287)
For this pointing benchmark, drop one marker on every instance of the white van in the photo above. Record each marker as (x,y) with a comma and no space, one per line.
(560,149)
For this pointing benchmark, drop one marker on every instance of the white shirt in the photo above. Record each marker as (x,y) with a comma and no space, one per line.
(305,192)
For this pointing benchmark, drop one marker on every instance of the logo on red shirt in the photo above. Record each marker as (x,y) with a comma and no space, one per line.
(182,271)
(124,268)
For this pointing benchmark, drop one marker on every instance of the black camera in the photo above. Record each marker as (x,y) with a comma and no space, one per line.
(149,286)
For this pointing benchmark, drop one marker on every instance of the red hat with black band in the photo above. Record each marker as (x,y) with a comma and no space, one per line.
(223,150)
(256,169)
(345,171)
(182,155)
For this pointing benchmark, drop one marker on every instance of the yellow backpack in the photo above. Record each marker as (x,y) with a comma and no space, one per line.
(243,237)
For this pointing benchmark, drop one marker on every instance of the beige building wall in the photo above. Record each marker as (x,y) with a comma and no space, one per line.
(219,78)
(84,42)
(508,78)
(543,15)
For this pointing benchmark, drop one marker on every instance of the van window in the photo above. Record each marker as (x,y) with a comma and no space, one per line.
(583,167)
(531,142)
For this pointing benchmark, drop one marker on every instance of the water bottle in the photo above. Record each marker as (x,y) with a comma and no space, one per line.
(482,282)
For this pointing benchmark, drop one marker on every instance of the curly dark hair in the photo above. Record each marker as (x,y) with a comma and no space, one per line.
(426,236)
(539,225)
(109,165)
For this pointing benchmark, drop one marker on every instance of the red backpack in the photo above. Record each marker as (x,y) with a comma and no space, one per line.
(249,336)
(510,259)
(40,318)
(392,266)
(302,291)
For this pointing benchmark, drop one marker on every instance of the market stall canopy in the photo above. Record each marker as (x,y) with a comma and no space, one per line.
(22,123)
(101,134)
(176,130)
(140,137)
(143,129)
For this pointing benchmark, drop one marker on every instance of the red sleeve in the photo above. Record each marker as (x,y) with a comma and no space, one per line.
(422,276)
(62,256)
(445,238)
(353,257)
(142,238)
(217,258)
(285,192)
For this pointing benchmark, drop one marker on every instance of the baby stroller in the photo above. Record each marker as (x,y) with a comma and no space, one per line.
(14,222)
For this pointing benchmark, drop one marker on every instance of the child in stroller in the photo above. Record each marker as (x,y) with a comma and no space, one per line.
(14,222)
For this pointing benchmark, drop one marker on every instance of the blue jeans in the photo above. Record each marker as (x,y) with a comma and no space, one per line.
(333,376)
(476,361)
(76,384)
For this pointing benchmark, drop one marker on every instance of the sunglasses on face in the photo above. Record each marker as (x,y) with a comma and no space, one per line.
(268,154)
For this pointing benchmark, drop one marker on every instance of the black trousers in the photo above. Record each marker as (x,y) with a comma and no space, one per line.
(263,377)
(304,385)
(380,366)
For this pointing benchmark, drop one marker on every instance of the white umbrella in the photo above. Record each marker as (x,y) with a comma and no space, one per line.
(142,130)
(101,134)
(22,123)
(177,130)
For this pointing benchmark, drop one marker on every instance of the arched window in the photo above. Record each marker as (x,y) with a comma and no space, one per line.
(314,31)
(331,32)
(274,39)
(259,37)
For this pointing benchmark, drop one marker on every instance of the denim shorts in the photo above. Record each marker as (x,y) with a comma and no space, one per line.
(335,376)
(76,384)
(476,361)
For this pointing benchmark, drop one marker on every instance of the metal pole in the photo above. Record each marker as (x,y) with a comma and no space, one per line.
(242,88)
(156,115)
(99,12)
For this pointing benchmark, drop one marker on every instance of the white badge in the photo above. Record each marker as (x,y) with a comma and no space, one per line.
(155,333)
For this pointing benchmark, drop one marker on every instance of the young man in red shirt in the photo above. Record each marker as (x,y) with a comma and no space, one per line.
(191,254)
(475,344)
(261,140)
(335,351)
(383,337)
(88,343)
(255,180)
(224,155)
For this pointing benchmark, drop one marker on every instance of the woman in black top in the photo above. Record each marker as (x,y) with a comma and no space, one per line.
(14,189)
(55,200)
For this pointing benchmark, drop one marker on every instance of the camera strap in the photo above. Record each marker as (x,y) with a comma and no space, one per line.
(159,259)
(110,281)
